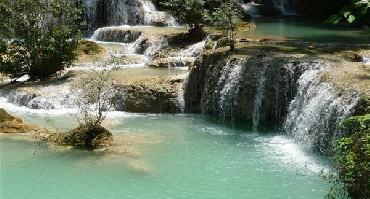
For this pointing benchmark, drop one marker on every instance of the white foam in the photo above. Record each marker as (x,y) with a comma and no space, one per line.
(286,151)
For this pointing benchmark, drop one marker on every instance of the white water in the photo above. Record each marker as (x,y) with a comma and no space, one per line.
(193,50)
(366,59)
(229,86)
(251,9)
(129,12)
(285,6)
(316,110)
(152,16)
(259,98)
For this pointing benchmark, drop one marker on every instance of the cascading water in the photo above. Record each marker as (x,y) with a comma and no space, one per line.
(100,13)
(251,8)
(229,86)
(366,59)
(316,110)
(259,98)
(268,8)
(154,17)
(121,34)
(48,97)
(285,6)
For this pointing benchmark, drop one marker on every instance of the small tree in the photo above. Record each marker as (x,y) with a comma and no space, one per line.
(95,90)
(226,18)
(42,36)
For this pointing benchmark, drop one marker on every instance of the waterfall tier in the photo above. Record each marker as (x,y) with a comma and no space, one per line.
(232,87)
(304,96)
(100,13)
(256,8)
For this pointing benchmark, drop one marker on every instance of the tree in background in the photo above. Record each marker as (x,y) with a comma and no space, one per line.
(353,11)
(226,17)
(40,36)
(190,12)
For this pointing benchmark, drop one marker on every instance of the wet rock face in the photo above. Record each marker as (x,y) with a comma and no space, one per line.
(117,35)
(227,86)
(12,125)
(148,98)
(99,13)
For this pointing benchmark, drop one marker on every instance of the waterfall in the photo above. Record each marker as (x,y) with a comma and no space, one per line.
(48,97)
(259,98)
(90,6)
(181,94)
(316,110)
(285,7)
(251,8)
(268,8)
(121,34)
(366,59)
(229,86)
(100,13)
(154,17)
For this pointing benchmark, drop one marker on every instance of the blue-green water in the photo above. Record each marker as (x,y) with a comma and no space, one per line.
(306,30)
(170,156)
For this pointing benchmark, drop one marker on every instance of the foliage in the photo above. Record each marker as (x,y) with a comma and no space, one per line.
(95,90)
(352,12)
(226,17)
(41,36)
(190,12)
(352,156)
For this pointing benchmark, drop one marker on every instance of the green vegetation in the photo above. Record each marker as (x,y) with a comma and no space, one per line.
(222,14)
(190,12)
(353,11)
(226,18)
(40,38)
(352,158)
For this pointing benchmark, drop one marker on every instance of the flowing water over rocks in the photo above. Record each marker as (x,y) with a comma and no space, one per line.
(231,87)
(291,93)
(317,109)
(259,8)
(260,94)
(100,13)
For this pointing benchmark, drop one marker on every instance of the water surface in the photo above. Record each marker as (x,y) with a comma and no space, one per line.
(306,30)
(175,156)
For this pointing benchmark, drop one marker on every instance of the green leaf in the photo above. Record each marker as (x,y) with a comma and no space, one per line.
(351,18)
(346,14)
(334,19)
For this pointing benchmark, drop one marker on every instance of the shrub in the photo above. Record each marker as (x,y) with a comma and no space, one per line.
(352,156)
(40,37)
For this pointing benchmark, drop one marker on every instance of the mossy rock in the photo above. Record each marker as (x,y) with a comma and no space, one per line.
(84,137)
(89,48)
(6,117)
(11,124)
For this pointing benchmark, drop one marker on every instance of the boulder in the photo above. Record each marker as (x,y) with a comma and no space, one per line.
(84,137)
